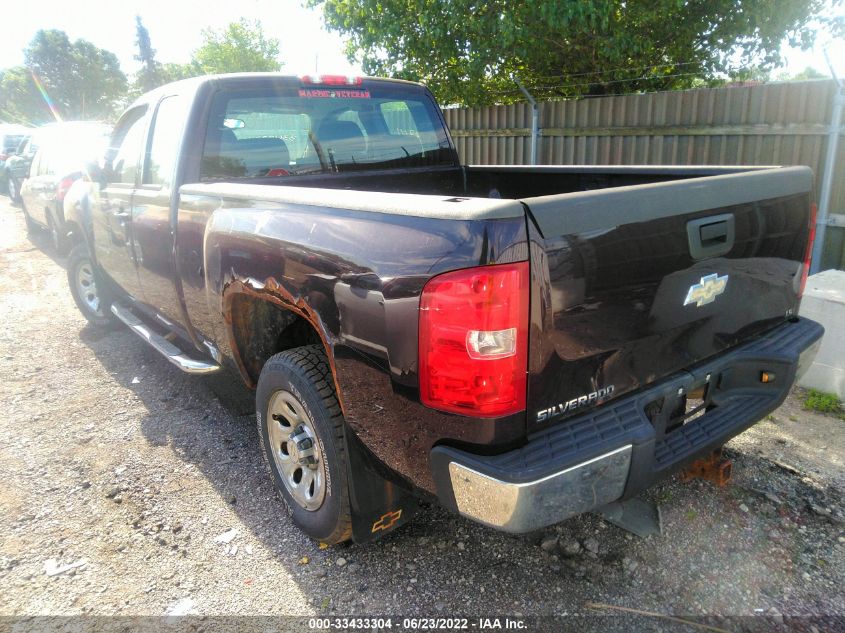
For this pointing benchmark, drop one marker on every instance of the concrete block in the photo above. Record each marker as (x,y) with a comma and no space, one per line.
(824,301)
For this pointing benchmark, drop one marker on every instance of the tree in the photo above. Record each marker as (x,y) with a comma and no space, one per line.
(175,72)
(240,47)
(808,73)
(468,51)
(20,101)
(150,76)
(71,80)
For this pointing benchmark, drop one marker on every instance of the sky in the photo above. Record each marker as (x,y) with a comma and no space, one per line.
(175,30)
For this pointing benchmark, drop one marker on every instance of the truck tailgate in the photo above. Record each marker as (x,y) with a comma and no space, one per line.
(635,283)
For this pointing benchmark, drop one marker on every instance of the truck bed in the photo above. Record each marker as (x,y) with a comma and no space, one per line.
(508,182)
(614,253)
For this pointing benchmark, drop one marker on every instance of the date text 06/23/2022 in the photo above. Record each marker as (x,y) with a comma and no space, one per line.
(418,624)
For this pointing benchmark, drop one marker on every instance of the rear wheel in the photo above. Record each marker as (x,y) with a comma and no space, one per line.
(301,429)
(89,295)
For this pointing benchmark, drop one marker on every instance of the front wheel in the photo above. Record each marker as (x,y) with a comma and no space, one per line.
(31,226)
(301,429)
(59,240)
(14,189)
(90,297)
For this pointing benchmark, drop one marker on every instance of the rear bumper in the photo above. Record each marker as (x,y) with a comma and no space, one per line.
(624,446)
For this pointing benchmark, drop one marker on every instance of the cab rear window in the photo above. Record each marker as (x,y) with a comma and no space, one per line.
(279,132)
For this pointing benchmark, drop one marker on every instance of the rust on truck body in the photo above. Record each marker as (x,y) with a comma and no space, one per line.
(272,292)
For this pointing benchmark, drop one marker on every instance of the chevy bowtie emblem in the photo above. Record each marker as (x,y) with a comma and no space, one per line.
(706,290)
(387,521)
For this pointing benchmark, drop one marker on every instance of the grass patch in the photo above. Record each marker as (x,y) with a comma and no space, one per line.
(822,402)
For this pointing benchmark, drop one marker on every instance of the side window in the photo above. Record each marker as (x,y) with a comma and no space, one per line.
(164,147)
(127,144)
(398,118)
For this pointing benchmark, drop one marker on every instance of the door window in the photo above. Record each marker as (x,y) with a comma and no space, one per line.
(164,146)
(127,144)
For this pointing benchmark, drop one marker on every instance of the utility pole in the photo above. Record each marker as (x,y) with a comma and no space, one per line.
(822,218)
(535,120)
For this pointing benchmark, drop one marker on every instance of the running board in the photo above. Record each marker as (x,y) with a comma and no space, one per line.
(162,345)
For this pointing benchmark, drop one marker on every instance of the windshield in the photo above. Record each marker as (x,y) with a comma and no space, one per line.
(284,131)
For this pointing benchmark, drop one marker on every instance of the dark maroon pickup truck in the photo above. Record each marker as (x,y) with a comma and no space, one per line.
(519,344)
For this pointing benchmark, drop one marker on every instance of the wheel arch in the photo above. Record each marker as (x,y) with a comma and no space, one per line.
(76,212)
(264,321)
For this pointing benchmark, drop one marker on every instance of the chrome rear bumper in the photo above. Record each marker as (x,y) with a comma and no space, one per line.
(620,448)
(527,506)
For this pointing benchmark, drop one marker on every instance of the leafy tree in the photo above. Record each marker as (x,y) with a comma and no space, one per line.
(175,72)
(240,47)
(20,101)
(150,76)
(808,73)
(468,51)
(78,79)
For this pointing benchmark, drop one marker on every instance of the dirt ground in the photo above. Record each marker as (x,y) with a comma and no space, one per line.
(130,488)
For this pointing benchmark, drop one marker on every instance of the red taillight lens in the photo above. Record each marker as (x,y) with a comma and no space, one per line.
(63,187)
(473,355)
(808,254)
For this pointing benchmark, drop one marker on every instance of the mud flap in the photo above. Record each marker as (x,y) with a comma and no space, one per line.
(378,505)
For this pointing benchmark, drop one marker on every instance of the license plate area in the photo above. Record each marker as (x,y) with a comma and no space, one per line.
(685,403)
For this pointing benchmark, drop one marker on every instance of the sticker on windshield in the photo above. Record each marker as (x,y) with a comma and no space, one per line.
(321,93)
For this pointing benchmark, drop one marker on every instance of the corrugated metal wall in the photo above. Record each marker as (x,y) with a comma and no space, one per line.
(769,124)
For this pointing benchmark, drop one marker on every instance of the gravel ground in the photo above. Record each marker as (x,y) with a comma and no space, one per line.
(133,489)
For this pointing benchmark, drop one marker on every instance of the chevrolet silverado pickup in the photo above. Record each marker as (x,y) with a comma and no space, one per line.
(519,344)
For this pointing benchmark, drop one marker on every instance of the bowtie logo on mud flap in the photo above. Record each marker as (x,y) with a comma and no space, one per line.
(706,291)
(387,521)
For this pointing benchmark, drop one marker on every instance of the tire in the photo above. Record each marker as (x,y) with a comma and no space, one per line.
(296,387)
(31,225)
(80,268)
(59,241)
(14,189)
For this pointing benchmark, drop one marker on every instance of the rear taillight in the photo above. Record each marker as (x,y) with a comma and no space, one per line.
(3,156)
(63,187)
(473,340)
(808,254)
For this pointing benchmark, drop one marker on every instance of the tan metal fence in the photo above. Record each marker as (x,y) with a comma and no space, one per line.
(769,124)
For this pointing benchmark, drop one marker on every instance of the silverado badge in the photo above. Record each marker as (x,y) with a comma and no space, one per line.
(706,290)
(576,403)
